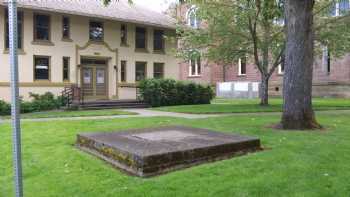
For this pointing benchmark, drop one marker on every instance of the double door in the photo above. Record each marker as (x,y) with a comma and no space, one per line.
(94,82)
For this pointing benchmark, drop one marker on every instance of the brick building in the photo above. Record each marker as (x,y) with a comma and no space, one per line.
(331,75)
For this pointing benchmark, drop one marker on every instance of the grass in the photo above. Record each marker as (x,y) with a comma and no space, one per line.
(65,114)
(295,163)
(252,105)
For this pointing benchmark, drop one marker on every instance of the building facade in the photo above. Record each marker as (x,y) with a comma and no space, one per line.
(331,75)
(103,50)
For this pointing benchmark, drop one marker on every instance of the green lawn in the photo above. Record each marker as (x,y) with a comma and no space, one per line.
(252,105)
(81,113)
(295,163)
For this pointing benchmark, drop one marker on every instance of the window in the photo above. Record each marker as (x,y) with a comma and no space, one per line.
(340,7)
(66,28)
(326,59)
(41,68)
(123,35)
(141,38)
(140,71)
(96,31)
(123,71)
(42,27)
(158,40)
(192,19)
(66,63)
(281,69)
(242,66)
(19,30)
(195,67)
(158,70)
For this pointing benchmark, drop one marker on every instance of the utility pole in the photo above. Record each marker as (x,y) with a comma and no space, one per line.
(15,105)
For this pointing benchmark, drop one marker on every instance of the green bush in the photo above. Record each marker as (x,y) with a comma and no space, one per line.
(5,108)
(39,102)
(168,92)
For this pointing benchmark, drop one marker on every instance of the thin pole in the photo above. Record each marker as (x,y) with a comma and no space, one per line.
(15,105)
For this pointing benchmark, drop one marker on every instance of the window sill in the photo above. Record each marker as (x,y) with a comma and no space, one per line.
(194,76)
(141,51)
(66,40)
(124,45)
(43,42)
(160,52)
(241,75)
(96,41)
(19,52)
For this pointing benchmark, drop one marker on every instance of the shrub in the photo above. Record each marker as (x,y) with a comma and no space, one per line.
(5,108)
(167,92)
(42,102)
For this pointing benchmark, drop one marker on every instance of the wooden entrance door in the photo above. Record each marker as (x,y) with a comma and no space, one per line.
(94,82)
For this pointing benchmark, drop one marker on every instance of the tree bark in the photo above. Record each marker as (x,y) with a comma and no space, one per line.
(264,92)
(297,84)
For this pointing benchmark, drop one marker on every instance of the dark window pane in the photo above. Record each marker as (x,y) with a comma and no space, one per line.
(140,71)
(199,67)
(42,27)
(41,68)
(243,66)
(140,38)
(66,68)
(158,70)
(328,62)
(93,61)
(65,27)
(193,67)
(96,31)
(123,34)
(158,41)
(19,30)
(123,71)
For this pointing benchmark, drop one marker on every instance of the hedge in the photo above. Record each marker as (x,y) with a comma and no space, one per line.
(168,92)
(42,102)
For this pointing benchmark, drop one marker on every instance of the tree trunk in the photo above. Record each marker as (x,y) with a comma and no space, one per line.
(264,92)
(297,85)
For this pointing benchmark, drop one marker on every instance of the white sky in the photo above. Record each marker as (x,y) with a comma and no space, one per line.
(156,5)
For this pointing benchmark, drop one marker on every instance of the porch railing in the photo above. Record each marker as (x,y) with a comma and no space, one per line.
(72,95)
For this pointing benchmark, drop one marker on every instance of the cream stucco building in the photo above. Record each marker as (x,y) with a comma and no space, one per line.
(103,50)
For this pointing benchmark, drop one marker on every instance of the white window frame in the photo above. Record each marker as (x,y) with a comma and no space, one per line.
(196,74)
(240,68)
(337,9)
(192,10)
(279,70)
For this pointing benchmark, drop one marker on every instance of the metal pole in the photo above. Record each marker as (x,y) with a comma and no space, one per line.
(15,105)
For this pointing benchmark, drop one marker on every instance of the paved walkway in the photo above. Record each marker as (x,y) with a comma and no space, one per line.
(152,113)
(140,113)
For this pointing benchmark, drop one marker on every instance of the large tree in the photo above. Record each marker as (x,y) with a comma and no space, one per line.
(309,26)
(233,29)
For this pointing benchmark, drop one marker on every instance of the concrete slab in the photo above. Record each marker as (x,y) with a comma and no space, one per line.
(153,151)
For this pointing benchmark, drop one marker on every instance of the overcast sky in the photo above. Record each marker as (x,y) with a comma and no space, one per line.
(156,5)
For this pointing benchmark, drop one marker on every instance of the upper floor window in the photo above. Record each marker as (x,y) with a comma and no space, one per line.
(158,70)
(192,18)
(242,66)
(19,30)
(340,7)
(42,27)
(96,31)
(195,67)
(65,27)
(141,38)
(41,68)
(123,35)
(158,40)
